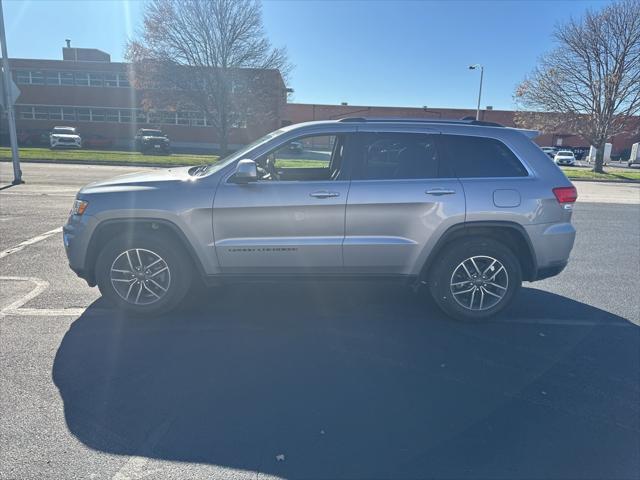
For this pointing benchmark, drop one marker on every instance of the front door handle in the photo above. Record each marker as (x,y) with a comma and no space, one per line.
(324,194)
(440,191)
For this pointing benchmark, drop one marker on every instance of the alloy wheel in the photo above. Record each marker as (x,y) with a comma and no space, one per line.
(140,276)
(479,283)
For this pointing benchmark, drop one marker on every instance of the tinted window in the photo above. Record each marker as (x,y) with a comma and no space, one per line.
(481,157)
(399,156)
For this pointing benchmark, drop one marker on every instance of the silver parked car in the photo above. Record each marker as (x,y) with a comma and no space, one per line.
(464,208)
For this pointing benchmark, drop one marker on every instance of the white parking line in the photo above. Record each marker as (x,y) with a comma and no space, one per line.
(31,241)
(15,308)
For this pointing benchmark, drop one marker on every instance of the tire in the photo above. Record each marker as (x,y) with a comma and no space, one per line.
(168,277)
(489,255)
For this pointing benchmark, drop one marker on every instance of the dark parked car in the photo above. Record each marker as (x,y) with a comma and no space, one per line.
(151,140)
(96,140)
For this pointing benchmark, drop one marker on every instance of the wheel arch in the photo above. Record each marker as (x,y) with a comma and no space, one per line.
(109,229)
(510,233)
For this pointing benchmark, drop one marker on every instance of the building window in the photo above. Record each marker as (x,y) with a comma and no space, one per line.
(198,119)
(182,118)
(23,77)
(53,78)
(97,115)
(68,114)
(26,113)
(84,114)
(66,78)
(168,118)
(55,113)
(41,113)
(112,115)
(141,117)
(95,79)
(110,80)
(82,79)
(125,116)
(37,78)
(123,80)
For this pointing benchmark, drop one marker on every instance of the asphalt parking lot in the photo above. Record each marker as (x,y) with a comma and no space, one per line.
(316,381)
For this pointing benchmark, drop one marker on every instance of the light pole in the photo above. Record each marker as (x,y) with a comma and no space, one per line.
(473,67)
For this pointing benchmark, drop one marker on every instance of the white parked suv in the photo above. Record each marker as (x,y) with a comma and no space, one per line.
(565,157)
(64,137)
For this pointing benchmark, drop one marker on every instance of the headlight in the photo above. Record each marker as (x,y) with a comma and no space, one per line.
(79,207)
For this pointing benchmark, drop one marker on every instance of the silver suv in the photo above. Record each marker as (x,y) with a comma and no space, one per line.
(464,208)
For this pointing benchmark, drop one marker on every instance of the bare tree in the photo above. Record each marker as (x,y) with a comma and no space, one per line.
(210,56)
(591,81)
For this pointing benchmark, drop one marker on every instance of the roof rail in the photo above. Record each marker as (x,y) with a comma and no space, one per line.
(464,121)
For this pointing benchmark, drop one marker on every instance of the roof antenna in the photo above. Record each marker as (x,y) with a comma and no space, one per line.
(68,42)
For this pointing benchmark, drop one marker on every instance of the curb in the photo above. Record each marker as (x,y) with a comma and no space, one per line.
(97,162)
(601,181)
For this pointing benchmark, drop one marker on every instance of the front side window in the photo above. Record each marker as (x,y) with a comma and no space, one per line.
(308,158)
(477,157)
(391,155)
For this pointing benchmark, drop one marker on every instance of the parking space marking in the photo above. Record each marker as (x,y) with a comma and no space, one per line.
(31,241)
(40,286)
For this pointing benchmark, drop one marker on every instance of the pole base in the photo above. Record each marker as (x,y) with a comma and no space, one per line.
(17,182)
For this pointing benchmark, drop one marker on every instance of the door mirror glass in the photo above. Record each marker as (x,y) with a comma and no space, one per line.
(246,171)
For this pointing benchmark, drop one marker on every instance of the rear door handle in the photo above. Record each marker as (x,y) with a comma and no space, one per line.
(324,194)
(440,191)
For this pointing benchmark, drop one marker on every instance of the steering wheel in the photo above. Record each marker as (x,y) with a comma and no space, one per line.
(271,167)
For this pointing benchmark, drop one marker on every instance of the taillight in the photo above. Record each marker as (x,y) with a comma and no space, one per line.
(566,194)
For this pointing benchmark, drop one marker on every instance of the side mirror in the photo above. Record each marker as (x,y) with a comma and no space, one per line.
(246,171)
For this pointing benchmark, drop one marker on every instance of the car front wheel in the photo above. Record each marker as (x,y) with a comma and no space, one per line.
(143,274)
(475,278)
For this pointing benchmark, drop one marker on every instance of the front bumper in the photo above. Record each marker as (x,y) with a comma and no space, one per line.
(76,234)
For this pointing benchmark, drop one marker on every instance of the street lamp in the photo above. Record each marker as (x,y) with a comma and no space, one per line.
(473,67)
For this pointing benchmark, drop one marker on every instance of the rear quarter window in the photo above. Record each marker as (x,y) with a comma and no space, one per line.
(477,157)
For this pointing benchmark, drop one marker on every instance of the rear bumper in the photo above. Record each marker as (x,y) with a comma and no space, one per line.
(550,271)
(552,244)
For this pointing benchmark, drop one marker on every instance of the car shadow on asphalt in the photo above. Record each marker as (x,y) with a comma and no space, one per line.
(308,381)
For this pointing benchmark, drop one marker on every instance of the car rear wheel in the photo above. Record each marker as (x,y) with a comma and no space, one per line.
(475,279)
(143,275)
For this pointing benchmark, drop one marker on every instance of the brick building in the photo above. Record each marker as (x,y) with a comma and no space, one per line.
(88,91)
(298,112)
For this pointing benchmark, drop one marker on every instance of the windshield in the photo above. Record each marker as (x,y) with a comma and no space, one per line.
(238,154)
(64,131)
(151,133)
(565,153)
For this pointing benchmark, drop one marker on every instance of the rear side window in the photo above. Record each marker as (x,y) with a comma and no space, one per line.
(473,157)
(398,156)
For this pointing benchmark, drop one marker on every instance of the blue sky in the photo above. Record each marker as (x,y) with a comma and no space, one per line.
(400,53)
